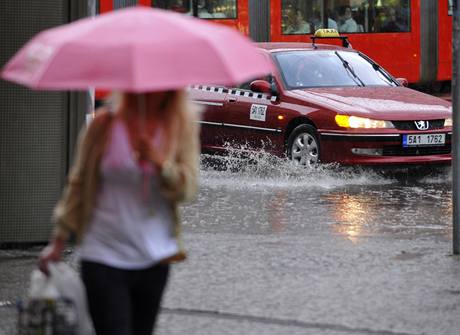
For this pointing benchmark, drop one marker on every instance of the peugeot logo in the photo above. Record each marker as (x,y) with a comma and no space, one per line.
(422,125)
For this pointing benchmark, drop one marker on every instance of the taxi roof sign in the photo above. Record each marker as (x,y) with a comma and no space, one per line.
(331,33)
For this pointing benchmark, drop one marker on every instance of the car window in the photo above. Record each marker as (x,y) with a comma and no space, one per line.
(328,68)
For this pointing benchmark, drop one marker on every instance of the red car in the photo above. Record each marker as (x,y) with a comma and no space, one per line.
(327,103)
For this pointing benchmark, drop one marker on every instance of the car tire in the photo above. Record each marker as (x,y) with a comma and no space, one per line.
(303,146)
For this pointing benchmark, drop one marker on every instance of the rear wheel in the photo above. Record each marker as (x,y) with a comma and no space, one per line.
(303,146)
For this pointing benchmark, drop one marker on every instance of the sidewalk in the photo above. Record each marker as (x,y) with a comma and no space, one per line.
(315,284)
(312,284)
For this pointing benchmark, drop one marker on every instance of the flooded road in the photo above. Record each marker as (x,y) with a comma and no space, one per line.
(274,197)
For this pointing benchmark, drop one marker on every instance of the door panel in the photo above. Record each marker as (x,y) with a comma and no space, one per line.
(212,99)
(251,121)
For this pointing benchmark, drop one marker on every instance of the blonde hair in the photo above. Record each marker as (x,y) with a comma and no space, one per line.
(171,108)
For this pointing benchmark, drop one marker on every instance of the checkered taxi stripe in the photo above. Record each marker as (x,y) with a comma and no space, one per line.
(234,91)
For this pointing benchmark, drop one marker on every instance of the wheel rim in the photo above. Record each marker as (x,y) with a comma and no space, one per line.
(304,150)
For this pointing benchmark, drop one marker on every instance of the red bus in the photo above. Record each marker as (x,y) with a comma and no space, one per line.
(410,38)
(232,13)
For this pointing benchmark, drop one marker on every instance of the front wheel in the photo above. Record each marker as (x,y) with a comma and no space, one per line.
(303,146)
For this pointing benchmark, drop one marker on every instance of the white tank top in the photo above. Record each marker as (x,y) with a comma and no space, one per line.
(131,226)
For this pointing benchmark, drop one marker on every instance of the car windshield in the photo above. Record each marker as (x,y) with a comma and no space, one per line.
(329,68)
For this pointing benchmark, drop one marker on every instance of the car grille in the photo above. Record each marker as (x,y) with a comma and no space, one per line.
(416,151)
(410,125)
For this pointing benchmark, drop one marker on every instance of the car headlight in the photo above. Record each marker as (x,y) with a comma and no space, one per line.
(348,121)
(448,122)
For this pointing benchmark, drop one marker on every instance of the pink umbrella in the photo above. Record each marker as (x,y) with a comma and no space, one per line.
(137,49)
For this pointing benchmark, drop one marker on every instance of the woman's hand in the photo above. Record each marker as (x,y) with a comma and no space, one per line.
(51,253)
(147,153)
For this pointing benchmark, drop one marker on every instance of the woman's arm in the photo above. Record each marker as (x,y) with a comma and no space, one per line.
(179,174)
(52,253)
(67,214)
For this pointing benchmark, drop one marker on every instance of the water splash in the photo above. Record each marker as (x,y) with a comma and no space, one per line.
(242,168)
(441,176)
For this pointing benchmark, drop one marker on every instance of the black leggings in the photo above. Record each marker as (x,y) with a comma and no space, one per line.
(123,302)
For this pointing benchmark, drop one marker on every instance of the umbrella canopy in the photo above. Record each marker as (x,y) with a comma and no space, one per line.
(136,49)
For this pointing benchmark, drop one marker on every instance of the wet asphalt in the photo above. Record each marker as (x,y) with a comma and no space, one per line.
(276,250)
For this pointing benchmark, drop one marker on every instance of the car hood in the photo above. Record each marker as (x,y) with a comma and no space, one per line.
(386,103)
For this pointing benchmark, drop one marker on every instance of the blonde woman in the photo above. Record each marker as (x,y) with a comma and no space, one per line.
(133,166)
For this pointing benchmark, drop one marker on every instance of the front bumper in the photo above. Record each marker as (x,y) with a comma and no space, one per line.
(384,149)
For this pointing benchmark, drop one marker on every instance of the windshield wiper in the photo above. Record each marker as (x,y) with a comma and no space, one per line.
(347,67)
(378,68)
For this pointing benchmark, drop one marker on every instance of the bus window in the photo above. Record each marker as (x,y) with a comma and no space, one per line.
(207,9)
(180,6)
(117,4)
(217,9)
(450,8)
(379,16)
(360,16)
(390,16)
(301,16)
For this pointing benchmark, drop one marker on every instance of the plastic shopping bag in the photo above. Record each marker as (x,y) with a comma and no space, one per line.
(56,304)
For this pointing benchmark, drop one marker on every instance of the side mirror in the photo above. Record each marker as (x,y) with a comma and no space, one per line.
(402,81)
(261,86)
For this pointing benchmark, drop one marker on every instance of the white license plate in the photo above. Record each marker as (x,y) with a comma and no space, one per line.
(423,139)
